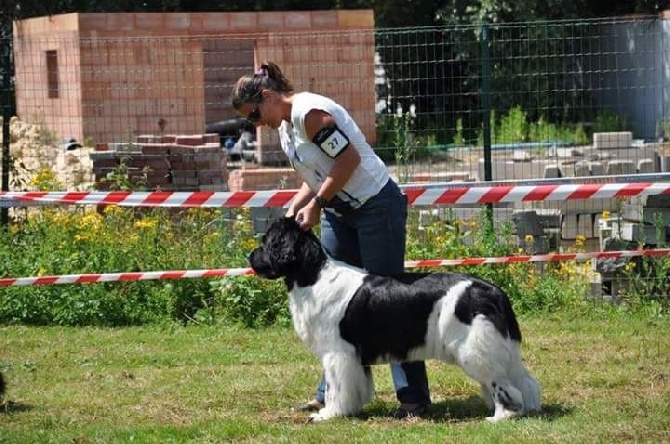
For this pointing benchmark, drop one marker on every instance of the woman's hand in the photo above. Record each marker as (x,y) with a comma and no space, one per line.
(308,216)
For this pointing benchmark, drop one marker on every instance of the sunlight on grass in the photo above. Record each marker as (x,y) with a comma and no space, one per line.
(605,377)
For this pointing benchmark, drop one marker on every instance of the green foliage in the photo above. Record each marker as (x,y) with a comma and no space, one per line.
(459,139)
(251,301)
(119,179)
(646,285)
(399,142)
(663,129)
(646,280)
(63,241)
(531,289)
(607,120)
(45,179)
(514,127)
(404,143)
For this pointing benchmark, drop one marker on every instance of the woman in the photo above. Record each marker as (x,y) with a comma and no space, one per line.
(364,210)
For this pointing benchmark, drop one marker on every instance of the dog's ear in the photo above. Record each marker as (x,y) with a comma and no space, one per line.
(281,240)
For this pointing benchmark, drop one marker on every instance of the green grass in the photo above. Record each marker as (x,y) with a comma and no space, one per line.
(605,376)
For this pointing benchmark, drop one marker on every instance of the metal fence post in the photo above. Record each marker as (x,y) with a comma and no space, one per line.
(6,99)
(486,116)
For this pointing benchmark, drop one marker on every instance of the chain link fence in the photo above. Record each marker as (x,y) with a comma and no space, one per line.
(560,101)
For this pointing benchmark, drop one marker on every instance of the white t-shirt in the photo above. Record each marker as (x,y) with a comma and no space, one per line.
(313,165)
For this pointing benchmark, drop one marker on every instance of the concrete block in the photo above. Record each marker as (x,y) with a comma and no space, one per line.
(650,216)
(153,148)
(585,225)
(263,179)
(658,201)
(588,205)
(621,167)
(664,163)
(646,166)
(564,152)
(597,168)
(552,172)
(620,139)
(549,218)
(527,223)
(582,168)
(635,232)
(569,226)
(521,156)
(574,225)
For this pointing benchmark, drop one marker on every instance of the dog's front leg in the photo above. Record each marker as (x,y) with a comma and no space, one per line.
(348,387)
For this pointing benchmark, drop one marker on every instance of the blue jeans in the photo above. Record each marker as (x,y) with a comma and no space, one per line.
(373,237)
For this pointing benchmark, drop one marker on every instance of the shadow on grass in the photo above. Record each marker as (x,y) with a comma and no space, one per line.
(458,410)
(10,407)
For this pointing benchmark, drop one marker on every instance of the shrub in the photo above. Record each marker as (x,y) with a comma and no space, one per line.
(58,241)
(250,301)
(531,289)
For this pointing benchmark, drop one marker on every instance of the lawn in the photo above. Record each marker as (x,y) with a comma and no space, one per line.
(605,376)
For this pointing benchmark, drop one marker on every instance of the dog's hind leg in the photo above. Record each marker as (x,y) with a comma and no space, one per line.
(487,396)
(508,400)
(485,356)
(532,393)
(349,387)
(499,394)
(525,382)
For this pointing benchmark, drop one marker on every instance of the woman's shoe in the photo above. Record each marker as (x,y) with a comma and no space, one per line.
(406,411)
(309,406)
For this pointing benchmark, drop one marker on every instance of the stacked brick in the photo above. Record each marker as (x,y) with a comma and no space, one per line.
(163,162)
(254,179)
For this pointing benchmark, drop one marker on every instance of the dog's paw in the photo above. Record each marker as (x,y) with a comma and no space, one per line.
(315,417)
(503,416)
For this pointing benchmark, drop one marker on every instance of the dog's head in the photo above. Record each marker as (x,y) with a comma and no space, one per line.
(290,252)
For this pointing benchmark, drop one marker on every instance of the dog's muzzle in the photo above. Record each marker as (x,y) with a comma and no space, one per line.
(260,263)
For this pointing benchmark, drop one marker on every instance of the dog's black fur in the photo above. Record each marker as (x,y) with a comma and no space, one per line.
(389,316)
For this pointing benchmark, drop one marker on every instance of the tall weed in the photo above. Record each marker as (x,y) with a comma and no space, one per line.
(59,241)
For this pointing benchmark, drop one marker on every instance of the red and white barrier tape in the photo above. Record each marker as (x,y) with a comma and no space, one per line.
(552,257)
(181,274)
(121,277)
(448,194)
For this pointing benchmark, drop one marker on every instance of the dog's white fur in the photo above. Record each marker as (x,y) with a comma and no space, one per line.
(479,349)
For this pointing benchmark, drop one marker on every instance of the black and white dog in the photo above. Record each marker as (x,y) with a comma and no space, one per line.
(351,319)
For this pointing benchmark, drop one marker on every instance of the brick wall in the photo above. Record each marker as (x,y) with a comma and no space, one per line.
(121,73)
(167,162)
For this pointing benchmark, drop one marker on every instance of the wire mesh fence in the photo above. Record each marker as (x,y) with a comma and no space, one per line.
(575,101)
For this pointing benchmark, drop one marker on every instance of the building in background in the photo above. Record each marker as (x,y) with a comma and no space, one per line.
(107,78)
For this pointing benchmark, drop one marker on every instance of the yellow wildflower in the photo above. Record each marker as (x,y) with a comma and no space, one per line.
(145,224)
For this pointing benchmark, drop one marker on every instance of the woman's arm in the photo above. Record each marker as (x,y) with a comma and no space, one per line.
(301,198)
(346,160)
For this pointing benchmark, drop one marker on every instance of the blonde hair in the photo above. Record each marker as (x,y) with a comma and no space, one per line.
(248,88)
